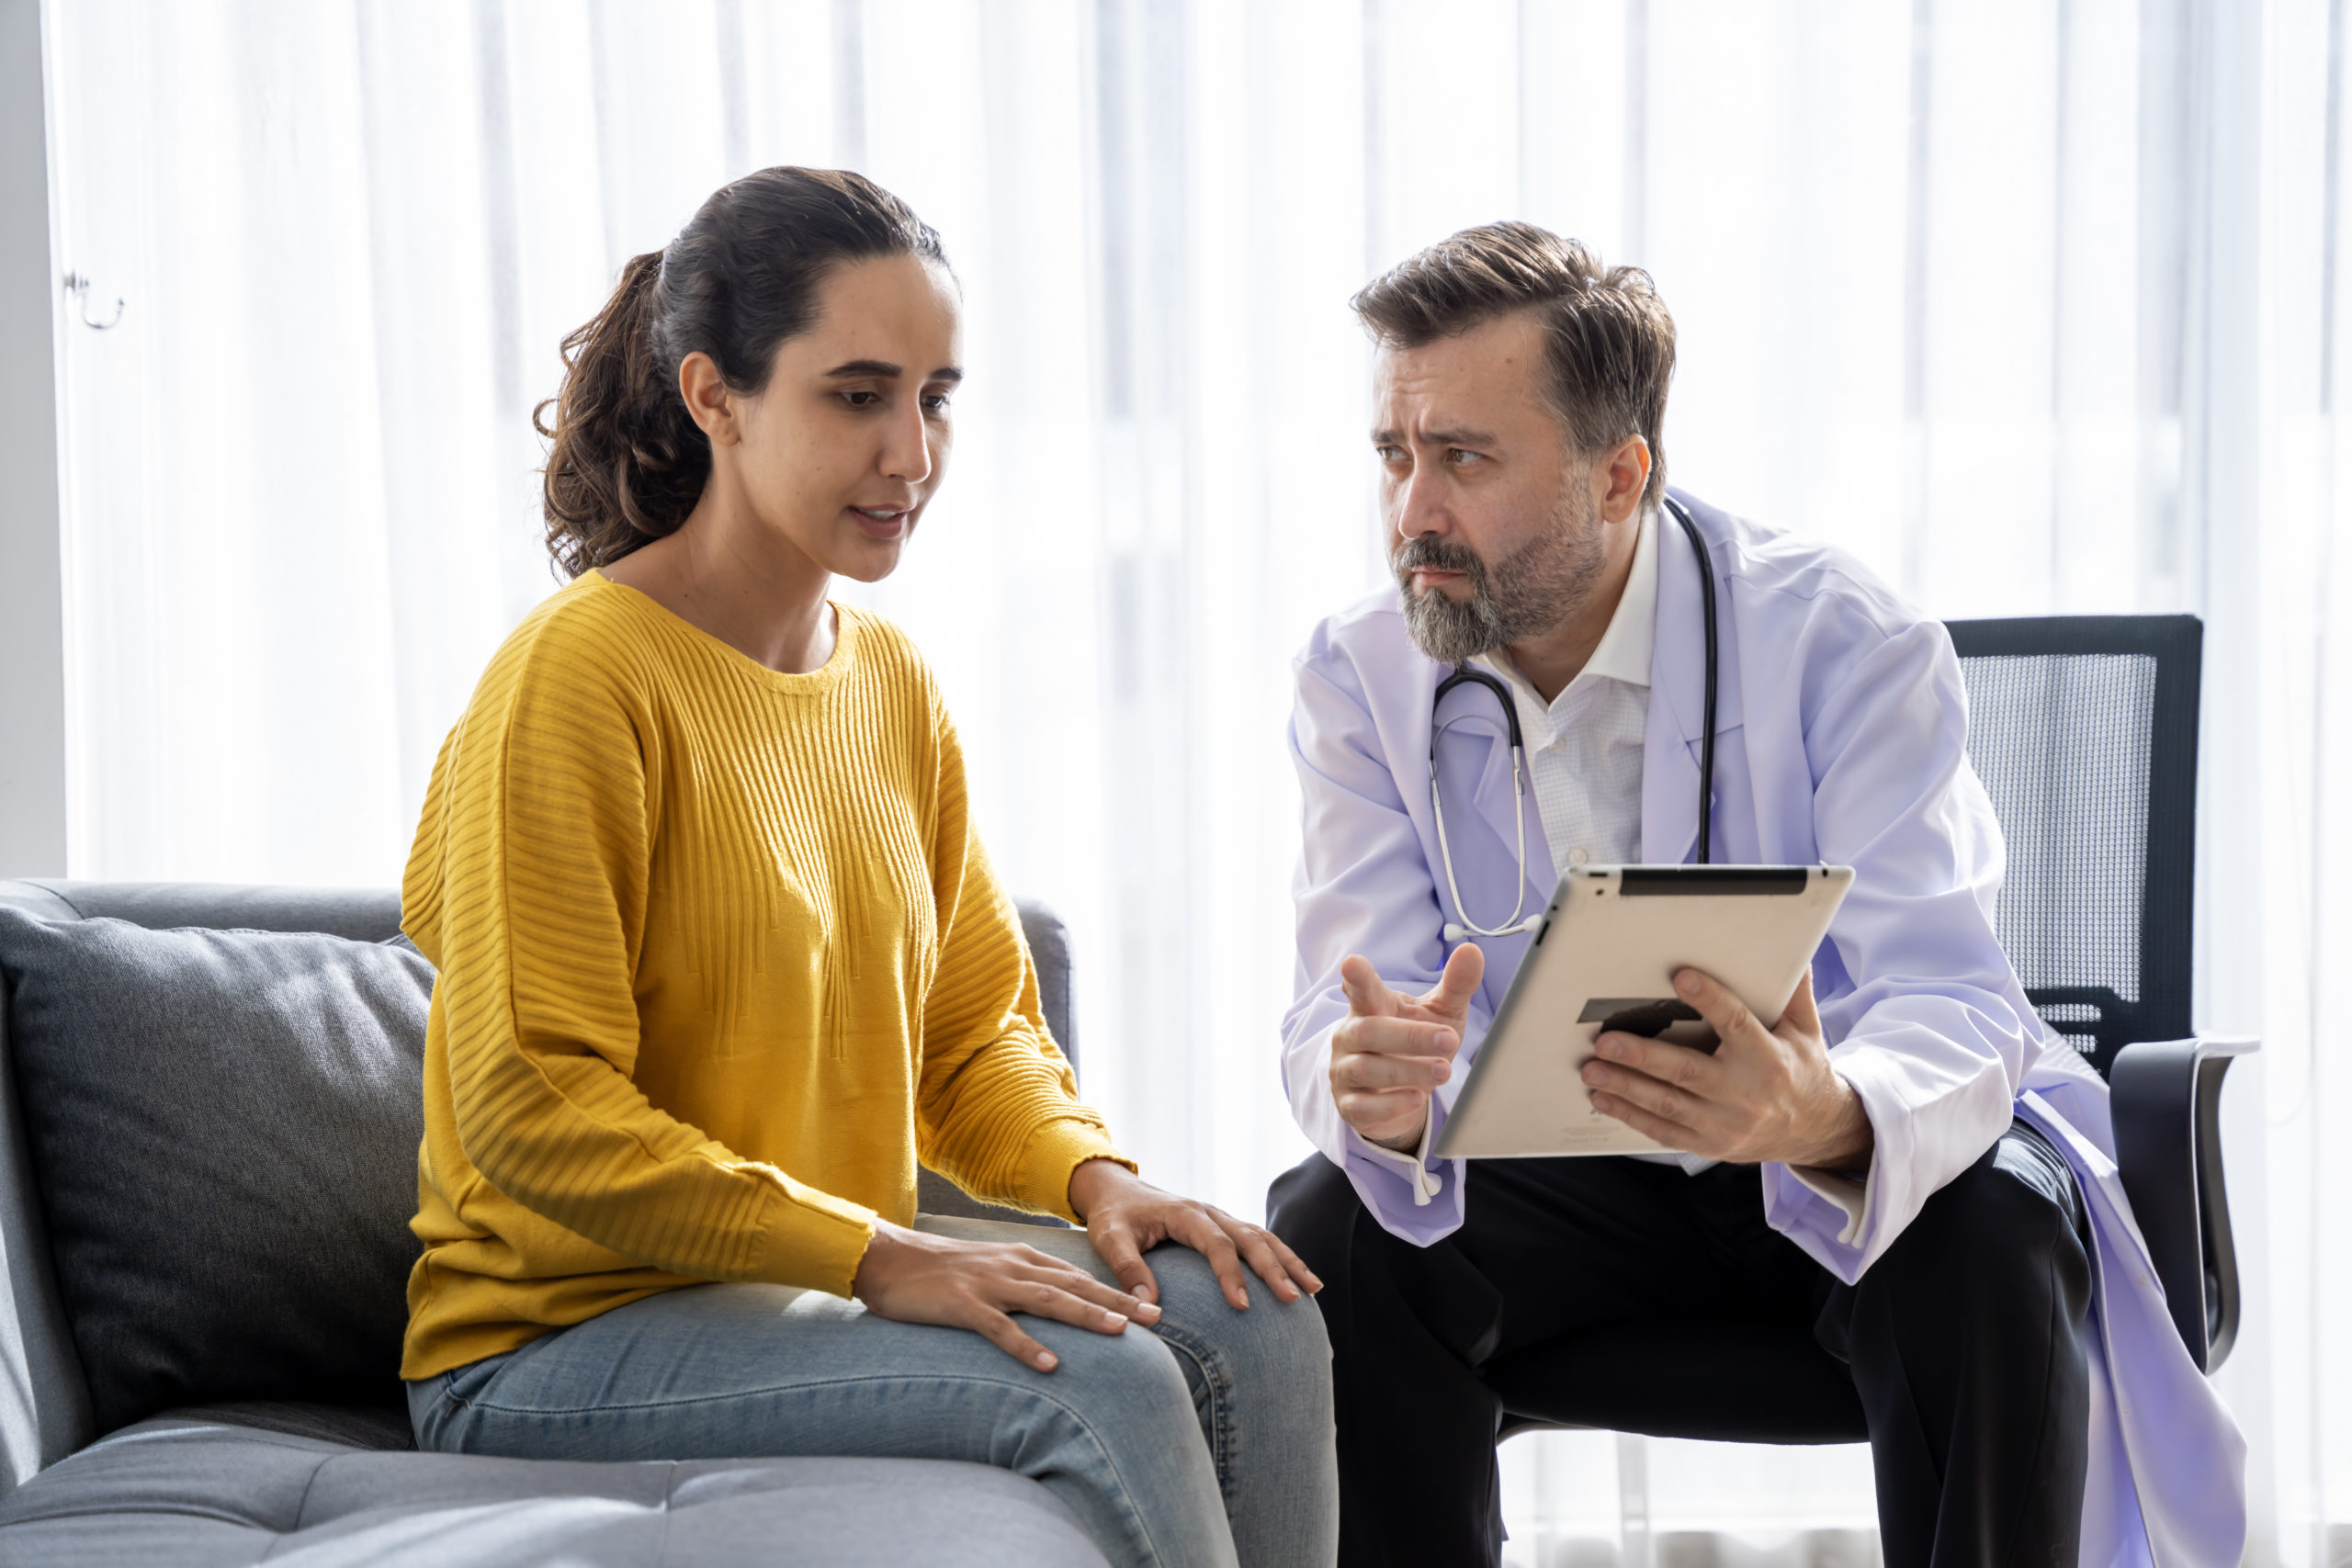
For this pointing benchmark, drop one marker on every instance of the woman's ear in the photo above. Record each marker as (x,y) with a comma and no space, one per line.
(708,398)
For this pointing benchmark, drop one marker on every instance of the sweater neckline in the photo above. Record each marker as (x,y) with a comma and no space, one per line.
(811,682)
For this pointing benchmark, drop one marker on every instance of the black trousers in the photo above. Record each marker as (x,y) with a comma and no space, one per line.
(1966,1342)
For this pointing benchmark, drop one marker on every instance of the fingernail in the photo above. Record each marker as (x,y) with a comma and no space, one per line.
(1290,1292)
(1146,1312)
(1594,1075)
(1610,1047)
(1044,1360)
(1687,982)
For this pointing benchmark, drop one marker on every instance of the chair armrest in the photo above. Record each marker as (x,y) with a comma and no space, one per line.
(2166,1097)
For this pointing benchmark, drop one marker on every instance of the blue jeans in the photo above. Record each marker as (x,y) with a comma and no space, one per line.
(1206,1439)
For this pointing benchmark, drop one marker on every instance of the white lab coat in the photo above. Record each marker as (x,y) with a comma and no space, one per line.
(1840,738)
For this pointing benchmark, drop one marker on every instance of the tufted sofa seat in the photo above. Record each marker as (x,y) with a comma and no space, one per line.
(202,1489)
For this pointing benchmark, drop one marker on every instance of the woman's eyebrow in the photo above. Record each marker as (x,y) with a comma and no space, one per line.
(888,371)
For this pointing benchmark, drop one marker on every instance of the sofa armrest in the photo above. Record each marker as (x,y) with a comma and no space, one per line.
(1049,942)
(2167,1098)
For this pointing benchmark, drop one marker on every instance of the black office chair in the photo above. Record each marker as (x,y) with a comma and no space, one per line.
(2083,730)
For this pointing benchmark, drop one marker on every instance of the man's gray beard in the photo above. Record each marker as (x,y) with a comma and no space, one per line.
(1526,594)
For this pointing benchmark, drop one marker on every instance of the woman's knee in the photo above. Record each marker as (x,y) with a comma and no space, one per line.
(1127,1378)
(1282,1342)
(1280,1364)
(1275,1343)
(1272,1346)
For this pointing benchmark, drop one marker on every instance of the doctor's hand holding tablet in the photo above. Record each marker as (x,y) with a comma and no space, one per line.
(1756,1094)
(1763,1095)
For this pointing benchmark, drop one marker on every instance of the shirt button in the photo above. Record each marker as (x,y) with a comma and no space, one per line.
(1578,857)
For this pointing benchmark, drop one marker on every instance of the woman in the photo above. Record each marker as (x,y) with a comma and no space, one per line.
(721,959)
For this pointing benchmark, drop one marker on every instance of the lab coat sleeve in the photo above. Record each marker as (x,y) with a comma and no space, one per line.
(1363,886)
(1934,1033)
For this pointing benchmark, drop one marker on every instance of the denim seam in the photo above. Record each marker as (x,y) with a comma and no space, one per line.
(1109,1461)
(1214,1378)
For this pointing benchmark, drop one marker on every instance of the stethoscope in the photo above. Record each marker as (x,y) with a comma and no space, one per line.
(1514,925)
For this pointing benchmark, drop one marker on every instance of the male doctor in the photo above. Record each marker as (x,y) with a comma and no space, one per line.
(1902,1173)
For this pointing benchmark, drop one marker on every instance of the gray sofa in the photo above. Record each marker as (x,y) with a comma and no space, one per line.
(282,1437)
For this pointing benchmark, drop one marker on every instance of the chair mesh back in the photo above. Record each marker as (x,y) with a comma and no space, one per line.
(2084,731)
(2077,836)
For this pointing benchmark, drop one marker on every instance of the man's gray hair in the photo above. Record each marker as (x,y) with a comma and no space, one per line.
(1609,340)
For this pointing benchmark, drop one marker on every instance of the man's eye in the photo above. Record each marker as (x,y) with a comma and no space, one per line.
(1461,458)
(1390,454)
(861,400)
(936,403)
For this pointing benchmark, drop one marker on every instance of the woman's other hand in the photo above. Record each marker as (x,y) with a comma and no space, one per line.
(1127,1216)
(911,1276)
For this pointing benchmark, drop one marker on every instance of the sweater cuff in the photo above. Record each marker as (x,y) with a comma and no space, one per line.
(1054,1153)
(811,1239)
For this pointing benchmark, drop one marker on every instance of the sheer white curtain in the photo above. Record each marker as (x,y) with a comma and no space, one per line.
(2032,303)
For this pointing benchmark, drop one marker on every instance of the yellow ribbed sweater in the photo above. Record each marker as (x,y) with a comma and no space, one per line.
(720,958)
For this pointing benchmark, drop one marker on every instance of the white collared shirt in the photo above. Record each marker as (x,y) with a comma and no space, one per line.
(1584,760)
(1584,747)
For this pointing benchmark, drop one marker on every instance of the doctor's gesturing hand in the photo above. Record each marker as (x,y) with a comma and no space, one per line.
(1393,1050)
(1764,1095)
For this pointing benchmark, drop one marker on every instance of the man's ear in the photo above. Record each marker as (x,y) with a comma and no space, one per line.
(708,398)
(1620,477)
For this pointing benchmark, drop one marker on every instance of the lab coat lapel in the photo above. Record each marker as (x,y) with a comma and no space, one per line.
(1679,691)
(1677,698)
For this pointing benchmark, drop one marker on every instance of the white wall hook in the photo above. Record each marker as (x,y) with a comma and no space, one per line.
(79,287)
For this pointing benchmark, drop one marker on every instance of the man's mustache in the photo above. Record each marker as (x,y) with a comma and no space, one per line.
(1426,552)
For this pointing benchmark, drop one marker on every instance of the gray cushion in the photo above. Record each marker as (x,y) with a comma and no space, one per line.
(225,1127)
(183,1491)
(363,914)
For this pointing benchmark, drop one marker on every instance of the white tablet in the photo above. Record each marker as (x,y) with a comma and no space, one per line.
(1605,958)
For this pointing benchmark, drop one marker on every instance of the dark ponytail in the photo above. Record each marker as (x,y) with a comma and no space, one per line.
(626,461)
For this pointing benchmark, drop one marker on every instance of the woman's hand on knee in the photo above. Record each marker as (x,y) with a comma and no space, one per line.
(911,1277)
(1127,1216)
